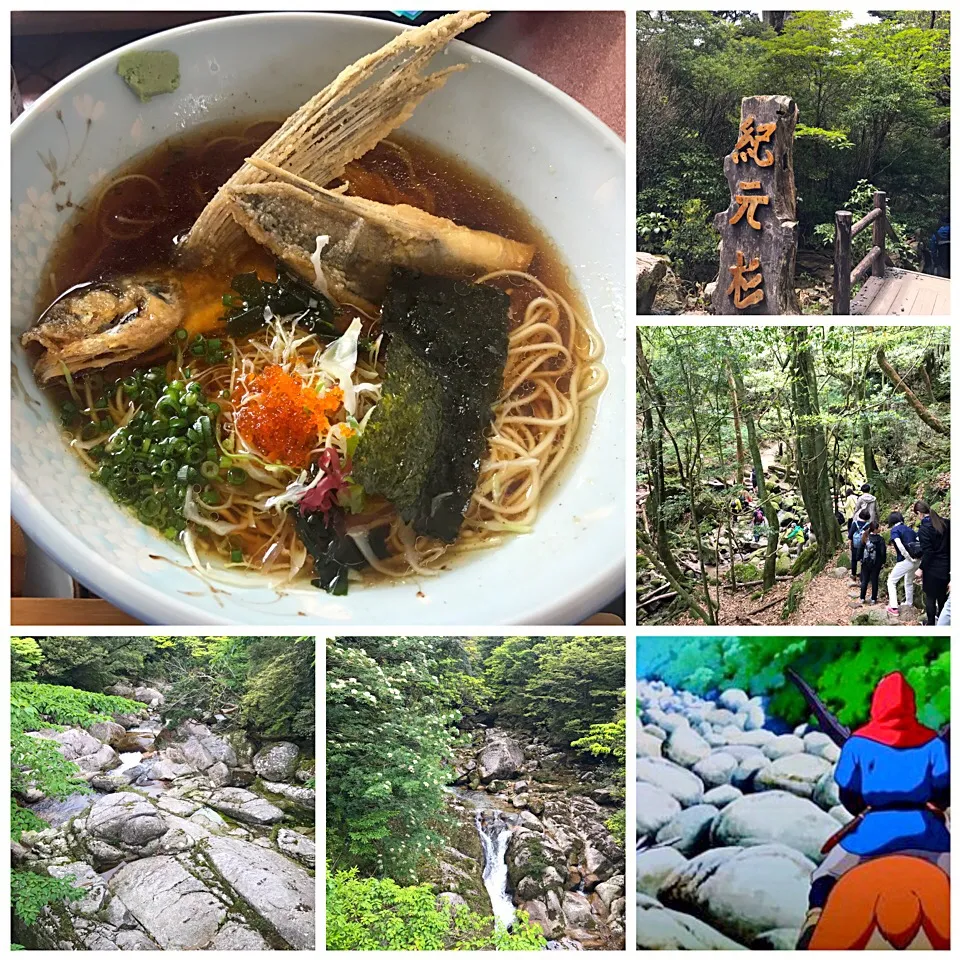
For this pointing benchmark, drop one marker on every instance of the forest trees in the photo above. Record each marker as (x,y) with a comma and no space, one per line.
(843,670)
(816,408)
(873,94)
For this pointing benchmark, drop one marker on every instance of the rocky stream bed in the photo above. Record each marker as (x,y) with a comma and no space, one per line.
(193,838)
(731,817)
(529,833)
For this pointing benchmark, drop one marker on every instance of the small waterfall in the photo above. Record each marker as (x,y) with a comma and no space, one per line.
(494,836)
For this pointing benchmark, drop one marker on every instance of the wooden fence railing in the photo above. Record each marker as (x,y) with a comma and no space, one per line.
(874,263)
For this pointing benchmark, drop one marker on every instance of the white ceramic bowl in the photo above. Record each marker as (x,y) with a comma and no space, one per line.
(565,167)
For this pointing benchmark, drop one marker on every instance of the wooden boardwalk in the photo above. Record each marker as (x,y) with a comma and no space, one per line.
(902,293)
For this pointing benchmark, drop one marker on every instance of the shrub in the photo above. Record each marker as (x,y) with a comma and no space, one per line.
(25,657)
(31,892)
(371,914)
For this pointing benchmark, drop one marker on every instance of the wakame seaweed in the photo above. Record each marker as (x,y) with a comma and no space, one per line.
(334,553)
(286,296)
(444,371)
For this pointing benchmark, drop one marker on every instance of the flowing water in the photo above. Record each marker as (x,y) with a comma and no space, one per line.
(127,761)
(494,836)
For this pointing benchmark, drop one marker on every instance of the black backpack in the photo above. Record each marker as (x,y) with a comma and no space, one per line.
(914,550)
(870,552)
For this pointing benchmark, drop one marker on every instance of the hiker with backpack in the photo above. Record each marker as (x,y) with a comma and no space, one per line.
(867,501)
(934,537)
(940,247)
(873,556)
(759,522)
(859,527)
(796,536)
(904,540)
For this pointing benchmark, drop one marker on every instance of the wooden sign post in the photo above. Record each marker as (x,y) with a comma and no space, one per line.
(758,249)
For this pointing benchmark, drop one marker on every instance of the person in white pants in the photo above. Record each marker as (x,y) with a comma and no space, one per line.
(944,619)
(906,566)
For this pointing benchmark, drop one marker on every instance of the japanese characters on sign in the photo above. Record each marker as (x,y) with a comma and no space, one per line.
(742,284)
(745,289)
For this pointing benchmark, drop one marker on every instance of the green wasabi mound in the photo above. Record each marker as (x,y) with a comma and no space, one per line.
(150,73)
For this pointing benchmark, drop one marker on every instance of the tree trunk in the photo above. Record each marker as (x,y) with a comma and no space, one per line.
(658,490)
(766,501)
(650,552)
(775,19)
(899,384)
(870,469)
(812,463)
(758,230)
(738,435)
(660,404)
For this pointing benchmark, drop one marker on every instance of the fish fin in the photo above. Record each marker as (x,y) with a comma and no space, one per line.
(367,101)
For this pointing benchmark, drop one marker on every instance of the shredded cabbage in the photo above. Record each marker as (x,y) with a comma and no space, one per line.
(321,281)
(339,361)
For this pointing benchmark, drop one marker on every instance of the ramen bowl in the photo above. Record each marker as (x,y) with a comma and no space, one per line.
(561,164)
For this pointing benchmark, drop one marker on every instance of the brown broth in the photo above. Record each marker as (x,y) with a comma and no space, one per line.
(130,226)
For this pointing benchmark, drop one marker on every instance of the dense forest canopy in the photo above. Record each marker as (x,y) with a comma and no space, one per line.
(842,670)
(874,105)
(809,411)
(398,708)
(269,680)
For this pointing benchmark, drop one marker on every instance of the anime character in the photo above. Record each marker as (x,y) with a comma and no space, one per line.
(894,777)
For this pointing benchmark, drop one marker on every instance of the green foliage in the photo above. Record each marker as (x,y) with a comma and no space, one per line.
(843,670)
(280,687)
(266,683)
(25,657)
(92,663)
(558,687)
(370,914)
(610,740)
(873,102)
(36,763)
(390,739)
(31,892)
(34,703)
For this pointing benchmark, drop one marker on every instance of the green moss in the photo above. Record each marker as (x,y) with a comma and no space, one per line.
(795,596)
(806,561)
(746,572)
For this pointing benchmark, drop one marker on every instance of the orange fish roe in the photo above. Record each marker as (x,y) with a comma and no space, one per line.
(281,418)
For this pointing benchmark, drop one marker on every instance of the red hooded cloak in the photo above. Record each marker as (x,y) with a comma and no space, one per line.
(893,715)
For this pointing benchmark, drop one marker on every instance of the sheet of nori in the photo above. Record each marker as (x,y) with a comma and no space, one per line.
(453,333)
(399,443)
